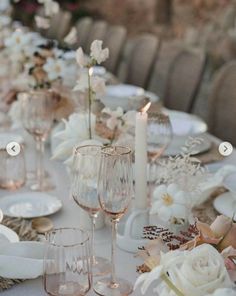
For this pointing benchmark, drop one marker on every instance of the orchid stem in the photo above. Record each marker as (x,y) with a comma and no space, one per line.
(90,105)
(166,279)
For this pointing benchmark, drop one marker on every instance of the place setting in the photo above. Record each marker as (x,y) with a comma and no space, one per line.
(111,183)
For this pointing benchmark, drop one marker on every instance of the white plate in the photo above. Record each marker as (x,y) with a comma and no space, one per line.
(5,138)
(185,124)
(99,70)
(226,204)
(230,182)
(124,90)
(1,215)
(126,96)
(176,146)
(30,205)
(8,235)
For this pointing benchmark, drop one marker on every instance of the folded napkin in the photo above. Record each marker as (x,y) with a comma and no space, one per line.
(22,260)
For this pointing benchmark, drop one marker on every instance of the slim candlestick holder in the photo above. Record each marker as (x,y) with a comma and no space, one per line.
(130,232)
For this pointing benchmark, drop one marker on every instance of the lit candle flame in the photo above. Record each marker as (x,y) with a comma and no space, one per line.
(146,107)
(90,71)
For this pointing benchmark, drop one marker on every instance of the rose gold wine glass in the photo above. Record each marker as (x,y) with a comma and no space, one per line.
(115,190)
(84,192)
(159,136)
(37,119)
(67,262)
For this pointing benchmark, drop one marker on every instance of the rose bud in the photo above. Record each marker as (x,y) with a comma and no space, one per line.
(221,226)
(229,239)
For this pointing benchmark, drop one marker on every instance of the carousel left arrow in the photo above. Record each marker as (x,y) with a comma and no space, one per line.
(13,148)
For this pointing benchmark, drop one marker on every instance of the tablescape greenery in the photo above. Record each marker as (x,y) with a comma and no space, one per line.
(199,261)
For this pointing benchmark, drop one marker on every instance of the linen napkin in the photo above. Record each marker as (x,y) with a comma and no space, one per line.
(21,260)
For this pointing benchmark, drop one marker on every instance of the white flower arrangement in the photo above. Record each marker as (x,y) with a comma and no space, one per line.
(115,120)
(56,68)
(74,133)
(198,272)
(20,47)
(88,82)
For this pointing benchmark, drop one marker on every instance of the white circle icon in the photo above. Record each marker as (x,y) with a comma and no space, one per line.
(13,148)
(225,148)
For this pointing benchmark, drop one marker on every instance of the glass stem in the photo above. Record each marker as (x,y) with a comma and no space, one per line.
(113,249)
(93,218)
(40,166)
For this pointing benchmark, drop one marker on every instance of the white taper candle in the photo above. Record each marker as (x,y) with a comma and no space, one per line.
(141,158)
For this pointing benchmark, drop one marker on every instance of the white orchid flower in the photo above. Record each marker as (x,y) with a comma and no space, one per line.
(81,58)
(97,53)
(169,202)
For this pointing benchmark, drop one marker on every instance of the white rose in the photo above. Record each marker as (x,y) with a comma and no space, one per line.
(223,292)
(97,53)
(200,273)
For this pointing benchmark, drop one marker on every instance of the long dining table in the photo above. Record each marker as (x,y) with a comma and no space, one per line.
(68,217)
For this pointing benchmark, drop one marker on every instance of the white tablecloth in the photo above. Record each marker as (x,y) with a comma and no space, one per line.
(68,216)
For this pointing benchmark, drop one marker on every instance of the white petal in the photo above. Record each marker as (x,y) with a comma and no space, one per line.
(153,276)
(156,207)
(164,213)
(172,189)
(146,279)
(159,191)
(180,197)
(178,211)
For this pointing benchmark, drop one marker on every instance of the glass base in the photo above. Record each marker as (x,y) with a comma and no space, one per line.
(105,287)
(31,175)
(46,186)
(101,266)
